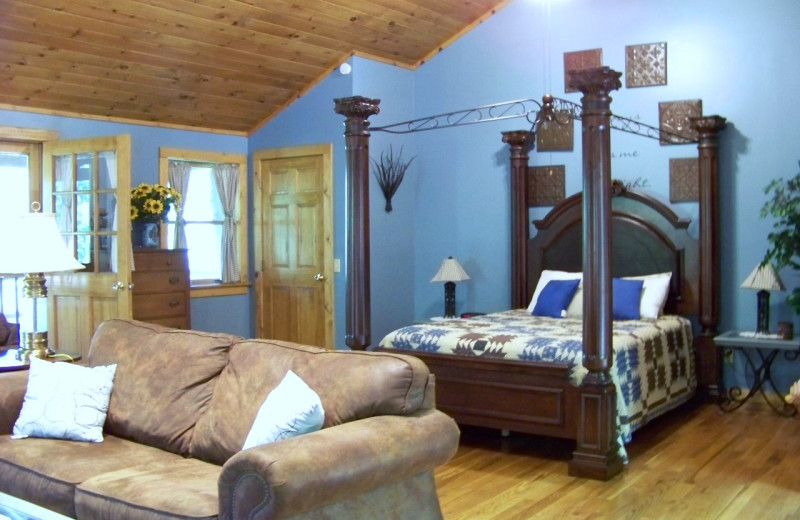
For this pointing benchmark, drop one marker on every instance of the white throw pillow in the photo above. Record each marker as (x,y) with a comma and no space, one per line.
(291,409)
(651,305)
(548,275)
(654,294)
(65,401)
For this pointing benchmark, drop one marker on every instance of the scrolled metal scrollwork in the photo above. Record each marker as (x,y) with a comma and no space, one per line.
(550,109)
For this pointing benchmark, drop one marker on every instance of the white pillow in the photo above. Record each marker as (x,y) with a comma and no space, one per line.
(654,294)
(291,409)
(651,305)
(548,275)
(65,401)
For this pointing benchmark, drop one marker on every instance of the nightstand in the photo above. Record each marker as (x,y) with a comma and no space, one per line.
(759,354)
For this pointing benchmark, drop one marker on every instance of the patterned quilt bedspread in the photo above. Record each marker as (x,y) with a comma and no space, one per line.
(653,359)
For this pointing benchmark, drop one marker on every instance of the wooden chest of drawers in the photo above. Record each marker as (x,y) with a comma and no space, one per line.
(161,287)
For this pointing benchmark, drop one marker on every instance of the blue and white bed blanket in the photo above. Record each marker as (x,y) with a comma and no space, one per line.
(653,365)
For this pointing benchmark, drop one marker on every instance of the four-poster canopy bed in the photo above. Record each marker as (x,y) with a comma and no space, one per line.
(537,397)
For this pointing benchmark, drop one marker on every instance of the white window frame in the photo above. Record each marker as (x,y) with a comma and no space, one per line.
(206,288)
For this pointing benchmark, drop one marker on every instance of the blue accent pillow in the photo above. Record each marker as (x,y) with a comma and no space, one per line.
(555,297)
(627,295)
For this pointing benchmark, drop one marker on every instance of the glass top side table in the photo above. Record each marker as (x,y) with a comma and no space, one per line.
(759,353)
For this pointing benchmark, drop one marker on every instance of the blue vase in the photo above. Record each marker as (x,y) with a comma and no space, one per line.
(145,235)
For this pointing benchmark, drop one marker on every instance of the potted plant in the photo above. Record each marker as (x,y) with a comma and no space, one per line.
(150,204)
(784,240)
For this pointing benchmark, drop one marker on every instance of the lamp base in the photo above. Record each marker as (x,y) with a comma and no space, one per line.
(763,312)
(33,344)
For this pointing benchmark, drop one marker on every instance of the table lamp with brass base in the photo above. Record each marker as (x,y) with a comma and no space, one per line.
(41,250)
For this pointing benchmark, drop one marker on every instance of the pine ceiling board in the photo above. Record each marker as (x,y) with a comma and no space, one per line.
(139,75)
(304,19)
(195,22)
(157,56)
(102,97)
(365,15)
(151,42)
(111,90)
(131,79)
(49,100)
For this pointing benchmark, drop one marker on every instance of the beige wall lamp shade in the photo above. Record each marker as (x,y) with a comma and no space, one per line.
(449,273)
(39,248)
(763,278)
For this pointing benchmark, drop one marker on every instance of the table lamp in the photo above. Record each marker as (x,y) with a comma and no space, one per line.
(40,249)
(449,273)
(763,279)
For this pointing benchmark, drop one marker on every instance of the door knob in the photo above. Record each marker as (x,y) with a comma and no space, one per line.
(117,286)
(319,277)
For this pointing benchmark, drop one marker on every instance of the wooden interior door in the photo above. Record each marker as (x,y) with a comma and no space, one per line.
(86,183)
(294,244)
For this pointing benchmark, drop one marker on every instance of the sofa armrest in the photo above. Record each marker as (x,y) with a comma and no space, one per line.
(300,474)
(12,392)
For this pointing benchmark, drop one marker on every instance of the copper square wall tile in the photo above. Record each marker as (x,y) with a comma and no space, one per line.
(579,60)
(556,136)
(546,185)
(684,180)
(673,117)
(646,64)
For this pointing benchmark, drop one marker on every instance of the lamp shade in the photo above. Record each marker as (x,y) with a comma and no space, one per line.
(763,278)
(38,247)
(450,271)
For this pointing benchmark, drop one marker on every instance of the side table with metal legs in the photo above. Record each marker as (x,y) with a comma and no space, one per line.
(759,354)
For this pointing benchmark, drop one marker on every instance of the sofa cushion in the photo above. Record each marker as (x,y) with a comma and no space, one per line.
(164,379)
(351,386)
(46,471)
(184,489)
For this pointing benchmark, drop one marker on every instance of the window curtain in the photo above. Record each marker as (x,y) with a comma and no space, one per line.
(110,160)
(179,180)
(227,179)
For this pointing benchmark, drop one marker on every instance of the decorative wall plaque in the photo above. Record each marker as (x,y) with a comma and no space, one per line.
(684,180)
(646,65)
(546,185)
(579,60)
(555,136)
(673,117)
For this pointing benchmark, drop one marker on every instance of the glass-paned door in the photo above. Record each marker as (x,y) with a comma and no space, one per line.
(87,186)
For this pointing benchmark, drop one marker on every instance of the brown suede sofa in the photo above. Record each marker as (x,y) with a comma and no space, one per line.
(181,406)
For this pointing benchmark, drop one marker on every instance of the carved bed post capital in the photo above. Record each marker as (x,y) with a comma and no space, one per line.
(710,373)
(595,82)
(357,110)
(520,142)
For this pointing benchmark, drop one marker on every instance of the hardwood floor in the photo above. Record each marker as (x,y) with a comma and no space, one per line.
(694,463)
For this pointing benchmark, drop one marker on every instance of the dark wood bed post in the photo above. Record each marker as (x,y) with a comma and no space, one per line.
(357,110)
(520,142)
(597,452)
(708,356)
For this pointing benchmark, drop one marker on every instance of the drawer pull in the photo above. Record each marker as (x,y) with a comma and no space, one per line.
(174,279)
(174,303)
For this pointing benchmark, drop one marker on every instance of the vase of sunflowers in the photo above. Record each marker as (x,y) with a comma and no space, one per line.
(150,204)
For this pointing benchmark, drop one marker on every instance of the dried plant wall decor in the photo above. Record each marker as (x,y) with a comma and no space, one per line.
(389,173)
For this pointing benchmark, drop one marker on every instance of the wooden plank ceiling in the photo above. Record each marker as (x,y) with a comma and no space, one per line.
(221,65)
